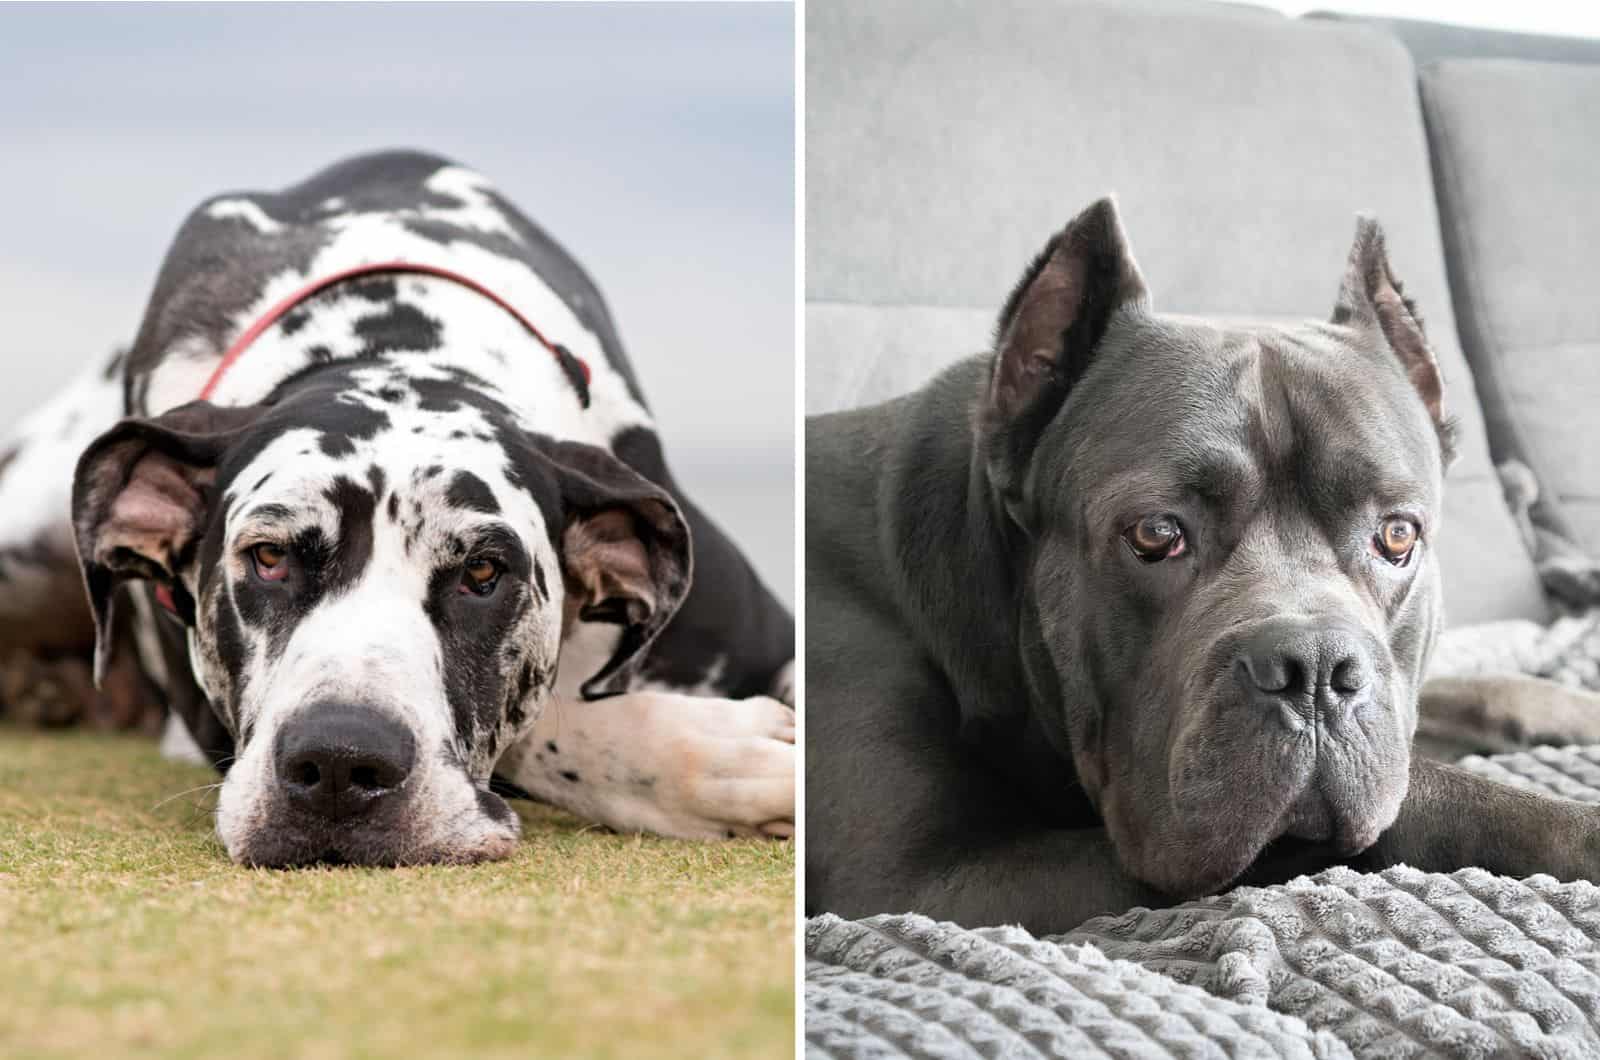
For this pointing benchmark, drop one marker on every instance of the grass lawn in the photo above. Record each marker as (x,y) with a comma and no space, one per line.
(124,930)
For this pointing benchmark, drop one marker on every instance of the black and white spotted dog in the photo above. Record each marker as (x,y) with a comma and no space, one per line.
(419,532)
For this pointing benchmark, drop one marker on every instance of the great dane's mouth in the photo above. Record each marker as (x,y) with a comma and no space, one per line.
(436,816)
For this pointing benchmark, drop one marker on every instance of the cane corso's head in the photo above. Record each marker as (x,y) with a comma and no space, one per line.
(1230,580)
(375,568)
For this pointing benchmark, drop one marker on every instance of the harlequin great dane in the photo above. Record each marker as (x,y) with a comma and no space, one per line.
(378,487)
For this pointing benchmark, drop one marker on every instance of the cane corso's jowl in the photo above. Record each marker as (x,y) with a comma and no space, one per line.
(393,518)
(1136,607)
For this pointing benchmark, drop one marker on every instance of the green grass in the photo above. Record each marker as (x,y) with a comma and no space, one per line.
(124,930)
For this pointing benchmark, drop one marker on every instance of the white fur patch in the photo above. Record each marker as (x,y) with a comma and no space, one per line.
(178,746)
(477,210)
(246,211)
(36,488)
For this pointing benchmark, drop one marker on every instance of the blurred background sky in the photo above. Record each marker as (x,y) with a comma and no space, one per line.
(655,141)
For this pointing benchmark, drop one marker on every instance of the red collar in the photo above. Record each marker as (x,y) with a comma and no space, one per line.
(574,366)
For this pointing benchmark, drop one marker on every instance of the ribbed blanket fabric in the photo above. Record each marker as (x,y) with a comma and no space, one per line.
(1394,964)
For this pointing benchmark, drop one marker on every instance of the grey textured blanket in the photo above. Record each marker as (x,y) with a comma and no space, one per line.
(1394,964)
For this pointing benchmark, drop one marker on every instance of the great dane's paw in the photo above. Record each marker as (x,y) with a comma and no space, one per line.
(734,771)
(689,767)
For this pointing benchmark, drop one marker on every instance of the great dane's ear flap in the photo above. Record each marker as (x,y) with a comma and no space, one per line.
(140,497)
(1371,298)
(1054,319)
(625,552)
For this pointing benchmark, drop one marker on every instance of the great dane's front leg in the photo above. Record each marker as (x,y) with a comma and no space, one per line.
(1452,819)
(691,767)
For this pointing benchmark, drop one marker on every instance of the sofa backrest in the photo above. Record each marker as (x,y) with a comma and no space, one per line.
(1431,41)
(947,140)
(1516,154)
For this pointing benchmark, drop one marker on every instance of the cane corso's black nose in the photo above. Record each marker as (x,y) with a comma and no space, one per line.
(337,760)
(1306,669)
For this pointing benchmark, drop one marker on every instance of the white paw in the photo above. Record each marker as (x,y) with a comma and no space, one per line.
(733,770)
(690,767)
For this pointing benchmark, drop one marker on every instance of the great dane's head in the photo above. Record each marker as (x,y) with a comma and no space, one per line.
(1226,548)
(375,567)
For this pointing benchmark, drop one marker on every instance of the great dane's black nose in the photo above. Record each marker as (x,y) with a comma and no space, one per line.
(1304,668)
(338,760)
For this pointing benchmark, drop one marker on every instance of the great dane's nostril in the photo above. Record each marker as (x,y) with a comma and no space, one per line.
(337,760)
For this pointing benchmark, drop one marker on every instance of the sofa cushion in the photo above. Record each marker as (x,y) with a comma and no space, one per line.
(1517,166)
(947,140)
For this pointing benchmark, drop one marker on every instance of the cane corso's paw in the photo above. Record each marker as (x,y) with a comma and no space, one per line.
(1501,713)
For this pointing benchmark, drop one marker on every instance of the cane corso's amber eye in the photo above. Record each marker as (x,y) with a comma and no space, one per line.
(271,562)
(1395,540)
(480,576)
(1155,538)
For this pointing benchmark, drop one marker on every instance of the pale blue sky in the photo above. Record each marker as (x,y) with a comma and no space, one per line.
(655,141)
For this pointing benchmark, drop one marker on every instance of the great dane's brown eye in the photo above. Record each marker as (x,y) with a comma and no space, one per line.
(480,576)
(1156,537)
(271,562)
(1395,540)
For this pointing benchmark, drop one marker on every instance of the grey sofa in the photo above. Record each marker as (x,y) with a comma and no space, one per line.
(946,139)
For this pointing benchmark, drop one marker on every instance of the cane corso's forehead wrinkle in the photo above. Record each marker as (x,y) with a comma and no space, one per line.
(1251,411)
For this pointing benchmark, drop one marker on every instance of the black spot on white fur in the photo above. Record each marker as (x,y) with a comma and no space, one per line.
(402,326)
(469,492)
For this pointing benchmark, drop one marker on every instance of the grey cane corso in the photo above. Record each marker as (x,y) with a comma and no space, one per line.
(1136,607)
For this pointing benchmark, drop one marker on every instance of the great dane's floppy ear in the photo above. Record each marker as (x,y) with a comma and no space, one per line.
(1370,297)
(139,501)
(625,554)
(1056,315)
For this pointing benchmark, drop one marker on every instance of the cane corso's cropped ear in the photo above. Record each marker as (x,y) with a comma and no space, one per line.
(625,553)
(1049,328)
(140,499)
(1371,298)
